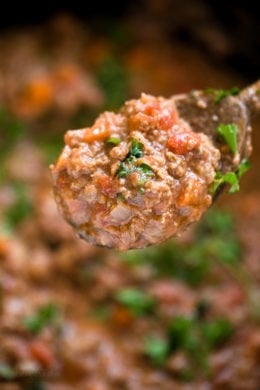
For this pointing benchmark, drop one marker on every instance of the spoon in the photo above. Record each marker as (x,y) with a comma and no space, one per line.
(205,110)
(156,180)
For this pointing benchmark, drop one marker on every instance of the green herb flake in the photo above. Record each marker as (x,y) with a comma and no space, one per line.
(44,316)
(114,141)
(179,332)
(220,94)
(220,179)
(123,170)
(217,331)
(136,149)
(129,165)
(137,301)
(6,371)
(243,168)
(229,133)
(156,349)
(145,172)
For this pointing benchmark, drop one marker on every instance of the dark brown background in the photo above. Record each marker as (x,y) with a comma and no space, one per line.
(232,26)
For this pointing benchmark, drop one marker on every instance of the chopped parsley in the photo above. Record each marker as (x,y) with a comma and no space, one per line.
(137,301)
(231,178)
(114,141)
(136,149)
(145,172)
(228,178)
(124,170)
(129,165)
(157,349)
(243,167)
(229,133)
(217,331)
(220,94)
(143,169)
(195,337)
(44,316)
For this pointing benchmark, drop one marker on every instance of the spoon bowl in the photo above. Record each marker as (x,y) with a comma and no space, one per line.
(206,110)
(140,176)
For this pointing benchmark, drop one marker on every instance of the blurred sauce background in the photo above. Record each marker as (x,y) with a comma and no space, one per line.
(61,64)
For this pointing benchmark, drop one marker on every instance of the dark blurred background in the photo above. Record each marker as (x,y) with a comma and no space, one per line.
(227,30)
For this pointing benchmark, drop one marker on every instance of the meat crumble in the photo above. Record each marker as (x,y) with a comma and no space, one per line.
(135,178)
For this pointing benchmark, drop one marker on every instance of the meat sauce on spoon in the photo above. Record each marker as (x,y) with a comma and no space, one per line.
(144,174)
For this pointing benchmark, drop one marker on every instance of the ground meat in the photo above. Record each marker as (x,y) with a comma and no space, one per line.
(134,178)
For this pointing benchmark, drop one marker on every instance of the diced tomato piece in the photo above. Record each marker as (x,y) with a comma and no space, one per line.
(151,108)
(107,185)
(42,353)
(165,117)
(182,143)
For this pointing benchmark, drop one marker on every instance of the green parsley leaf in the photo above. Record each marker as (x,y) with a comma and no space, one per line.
(129,166)
(137,301)
(229,178)
(220,94)
(123,170)
(136,149)
(217,331)
(145,168)
(180,330)
(145,172)
(229,133)
(156,349)
(243,167)
(44,316)
(113,141)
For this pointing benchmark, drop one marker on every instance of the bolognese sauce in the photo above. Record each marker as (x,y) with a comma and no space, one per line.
(136,177)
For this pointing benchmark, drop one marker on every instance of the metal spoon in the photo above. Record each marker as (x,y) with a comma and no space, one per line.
(206,110)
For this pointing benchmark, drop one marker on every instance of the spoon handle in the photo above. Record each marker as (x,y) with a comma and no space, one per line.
(250,96)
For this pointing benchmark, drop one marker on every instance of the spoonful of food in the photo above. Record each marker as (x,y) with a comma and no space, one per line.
(142,175)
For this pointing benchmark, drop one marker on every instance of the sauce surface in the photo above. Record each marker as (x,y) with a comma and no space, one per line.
(135,178)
